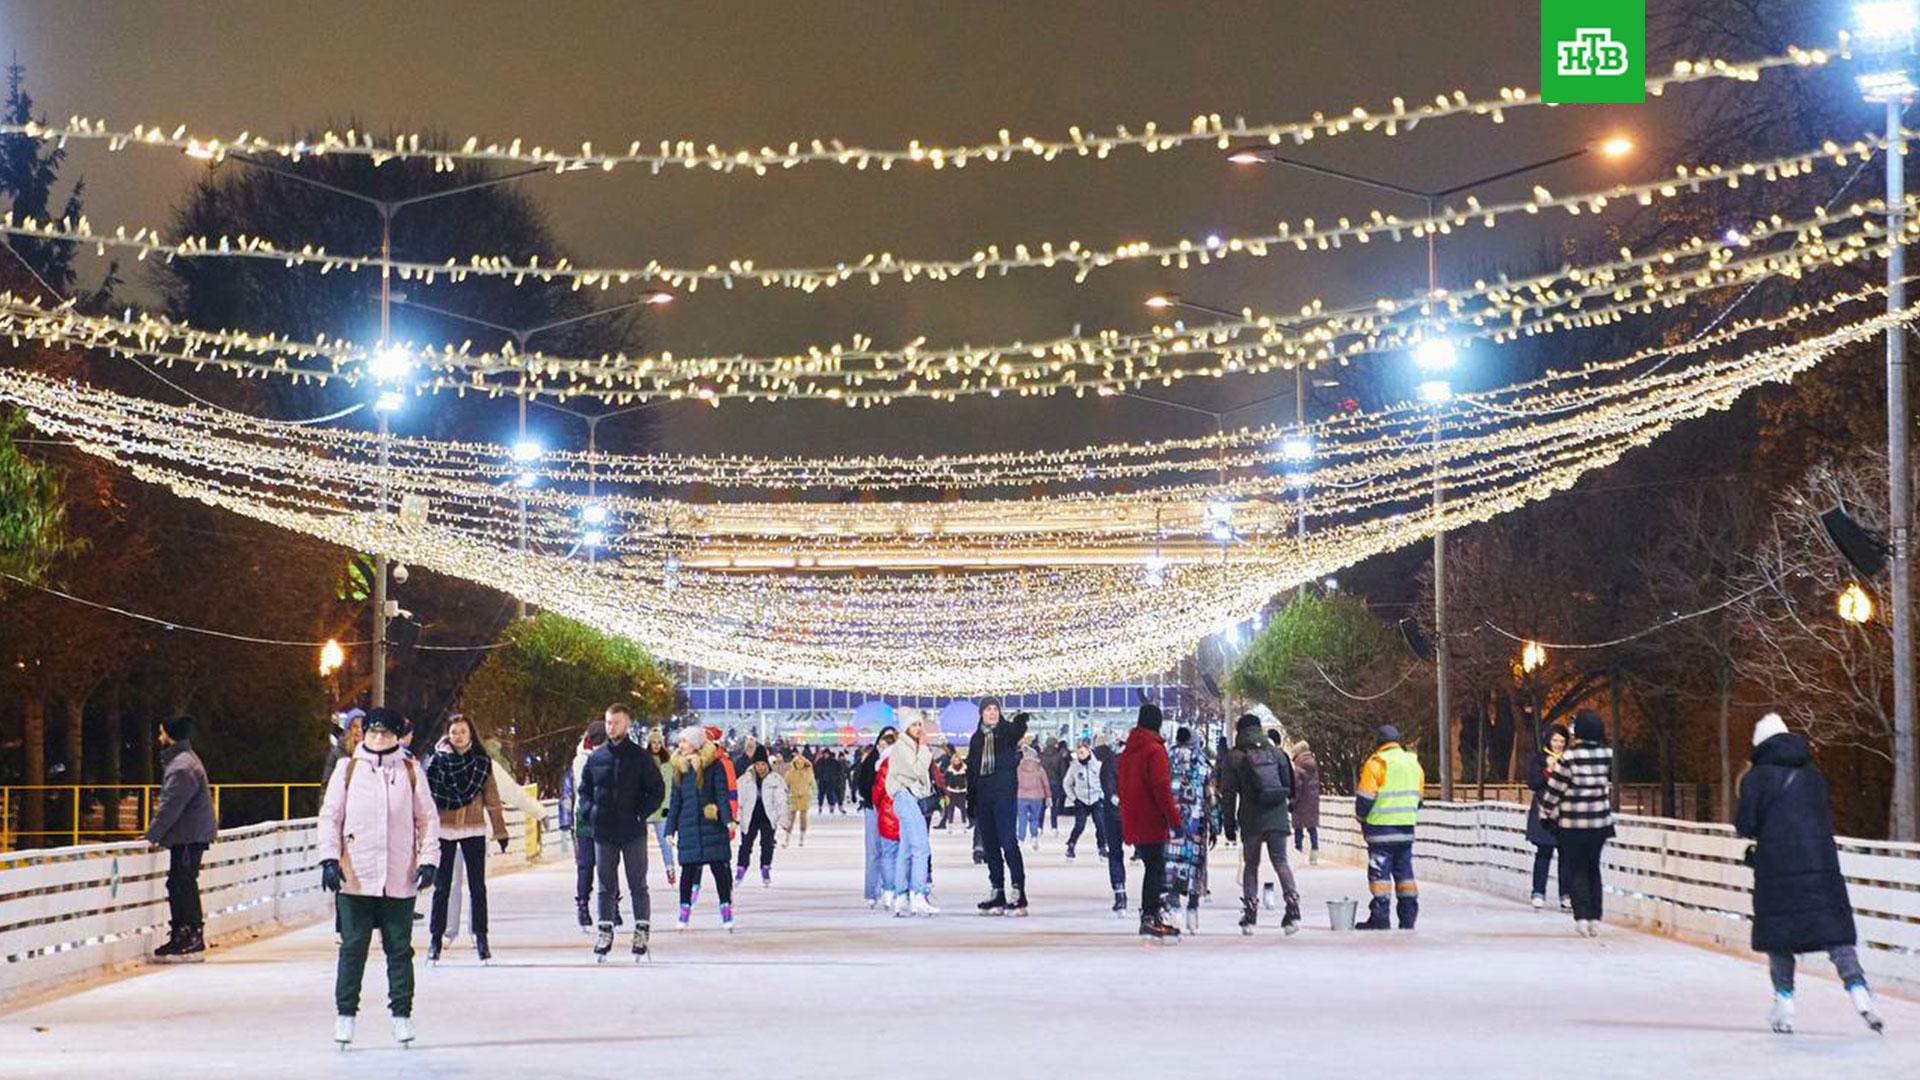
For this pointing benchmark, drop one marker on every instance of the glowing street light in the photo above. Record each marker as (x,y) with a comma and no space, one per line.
(657,298)
(1533,657)
(1854,604)
(389,401)
(1162,301)
(1434,392)
(1296,449)
(1617,146)
(594,514)
(389,363)
(1435,354)
(594,538)
(1884,24)
(527,450)
(332,658)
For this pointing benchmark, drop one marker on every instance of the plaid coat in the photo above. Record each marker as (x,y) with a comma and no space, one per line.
(1579,791)
(1187,856)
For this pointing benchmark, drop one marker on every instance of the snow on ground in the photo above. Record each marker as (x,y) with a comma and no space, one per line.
(814,985)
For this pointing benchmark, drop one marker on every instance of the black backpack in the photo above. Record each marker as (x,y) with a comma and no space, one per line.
(1270,786)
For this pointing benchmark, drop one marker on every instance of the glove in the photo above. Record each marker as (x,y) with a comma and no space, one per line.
(330,878)
(503,845)
(423,877)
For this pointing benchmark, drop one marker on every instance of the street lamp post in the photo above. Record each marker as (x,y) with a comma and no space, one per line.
(1432,391)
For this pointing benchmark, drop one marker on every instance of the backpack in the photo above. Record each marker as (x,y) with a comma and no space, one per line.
(1269,786)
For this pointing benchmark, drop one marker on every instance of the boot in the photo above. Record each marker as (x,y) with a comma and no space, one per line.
(1863,1004)
(343,1030)
(766,877)
(685,916)
(580,913)
(171,947)
(480,948)
(640,935)
(740,874)
(1376,917)
(726,917)
(403,1030)
(1539,901)
(1019,905)
(1780,1017)
(1290,919)
(1249,915)
(995,904)
(602,942)
(195,945)
(923,905)
(1120,902)
(433,950)
(1153,929)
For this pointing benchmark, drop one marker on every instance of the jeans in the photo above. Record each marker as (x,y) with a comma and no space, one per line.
(1542,861)
(1153,884)
(1845,959)
(1390,872)
(1580,870)
(183,886)
(1109,823)
(999,843)
(360,916)
(874,872)
(1080,815)
(474,850)
(1053,810)
(915,848)
(762,827)
(1300,833)
(690,880)
(889,865)
(1033,815)
(1275,843)
(609,856)
(663,840)
(582,869)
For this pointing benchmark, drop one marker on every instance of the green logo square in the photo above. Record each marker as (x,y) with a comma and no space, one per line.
(1593,50)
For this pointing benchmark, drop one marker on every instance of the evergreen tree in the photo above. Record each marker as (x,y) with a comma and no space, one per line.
(29,169)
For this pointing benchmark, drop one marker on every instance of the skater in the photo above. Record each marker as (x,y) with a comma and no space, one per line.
(1800,901)
(1306,800)
(1107,825)
(619,790)
(1148,816)
(460,777)
(765,807)
(1084,794)
(698,816)
(1387,802)
(1578,800)
(908,785)
(378,835)
(864,776)
(957,783)
(183,823)
(992,762)
(657,748)
(1539,832)
(1033,794)
(1055,759)
(800,790)
(1257,782)
(1192,779)
(583,876)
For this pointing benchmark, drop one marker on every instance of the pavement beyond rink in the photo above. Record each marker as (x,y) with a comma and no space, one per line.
(812,984)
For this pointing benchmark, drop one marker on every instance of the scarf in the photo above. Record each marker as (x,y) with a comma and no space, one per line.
(456,779)
(986,749)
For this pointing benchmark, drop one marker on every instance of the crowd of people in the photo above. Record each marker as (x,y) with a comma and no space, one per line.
(392,825)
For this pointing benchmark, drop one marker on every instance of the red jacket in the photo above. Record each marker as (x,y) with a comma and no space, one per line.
(1145,779)
(883,803)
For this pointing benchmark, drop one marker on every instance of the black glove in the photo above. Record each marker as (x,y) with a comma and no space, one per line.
(503,845)
(423,877)
(330,878)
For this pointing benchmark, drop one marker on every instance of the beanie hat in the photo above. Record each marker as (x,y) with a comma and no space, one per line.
(1247,720)
(596,733)
(345,720)
(1183,736)
(180,728)
(986,701)
(1588,727)
(1769,726)
(386,718)
(760,756)
(711,732)
(696,736)
(1386,733)
(1150,717)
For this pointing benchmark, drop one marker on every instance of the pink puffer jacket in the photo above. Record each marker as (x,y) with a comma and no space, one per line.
(383,826)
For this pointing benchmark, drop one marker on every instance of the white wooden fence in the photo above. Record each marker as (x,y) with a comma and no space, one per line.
(1682,878)
(71,913)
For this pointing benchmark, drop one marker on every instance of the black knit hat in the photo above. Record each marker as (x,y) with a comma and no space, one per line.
(386,718)
(1150,717)
(1247,720)
(760,755)
(1385,734)
(1588,727)
(179,729)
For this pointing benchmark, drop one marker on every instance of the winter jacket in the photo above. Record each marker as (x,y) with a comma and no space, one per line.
(184,813)
(337,752)
(378,821)
(770,793)
(1031,782)
(800,787)
(666,784)
(909,770)
(582,824)
(699,782)
(1082,783)
(619,789)
(1109,760)
(1055,760)
(1240,805)
(888,819)
(1306,791)
(1387,798)
(1189,774)
(1800,901)
(1000,783)
(463,820)
(1539,833)
(1145,777)
(1579,791)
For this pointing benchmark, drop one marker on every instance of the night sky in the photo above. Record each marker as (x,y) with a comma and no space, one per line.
(881,74)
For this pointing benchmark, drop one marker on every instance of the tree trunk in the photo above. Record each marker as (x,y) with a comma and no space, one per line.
(73,713)
(1613,722)
(1723,799)
(33,733)
(110,766)
(1664,734)
(144,723)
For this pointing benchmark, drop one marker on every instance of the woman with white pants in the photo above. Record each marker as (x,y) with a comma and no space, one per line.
(909,780)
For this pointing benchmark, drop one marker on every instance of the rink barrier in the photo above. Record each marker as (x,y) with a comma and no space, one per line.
(71,913)
(1680,878)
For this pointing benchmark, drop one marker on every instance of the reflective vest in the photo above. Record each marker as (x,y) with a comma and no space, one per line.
(1398,800)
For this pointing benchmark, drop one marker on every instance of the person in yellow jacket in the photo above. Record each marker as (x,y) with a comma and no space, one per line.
(1387,801)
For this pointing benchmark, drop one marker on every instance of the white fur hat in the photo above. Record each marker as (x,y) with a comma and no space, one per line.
(1769,726)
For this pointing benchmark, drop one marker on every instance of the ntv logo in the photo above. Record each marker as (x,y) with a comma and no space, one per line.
(1592,52)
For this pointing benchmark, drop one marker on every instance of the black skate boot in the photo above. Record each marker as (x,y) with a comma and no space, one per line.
(1120,902)
(1249,915)
(602,942)
(1290,921)
(995,904)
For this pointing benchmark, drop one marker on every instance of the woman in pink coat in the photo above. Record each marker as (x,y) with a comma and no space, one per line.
(379,839)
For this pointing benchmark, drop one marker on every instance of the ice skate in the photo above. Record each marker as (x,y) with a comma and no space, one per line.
(726,917)
(1154,930)
(1566,903)
(403,1031)
(1539,902)
(480,950)
(1249,916)
(686,915)
(433,951)
(1780,1017)
(1120,903)
(641,933)
(766,877)
(343,1030)
(1290,919)
(1864,1005)
(923,905)
(1019,905)
(740,874)
(886,900)
(603,942)
(580,913)
(902,907)
(995,904)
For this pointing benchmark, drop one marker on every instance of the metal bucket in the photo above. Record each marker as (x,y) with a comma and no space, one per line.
(1341,913)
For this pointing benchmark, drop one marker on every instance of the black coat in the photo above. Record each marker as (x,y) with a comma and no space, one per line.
(1539,833)
(620,788)
(1799,896)
(1001,783)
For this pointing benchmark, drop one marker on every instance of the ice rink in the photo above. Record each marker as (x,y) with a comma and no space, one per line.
(812,984)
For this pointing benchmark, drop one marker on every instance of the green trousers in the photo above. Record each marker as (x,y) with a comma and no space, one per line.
(360,916)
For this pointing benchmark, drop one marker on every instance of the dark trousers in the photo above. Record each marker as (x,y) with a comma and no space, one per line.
(690,880)
(360,916)
(474,850)
(1000,842)
(1275,843)
(609,856)
(1080,815)
(1153,885)
(1580,870)
(1542,862)
(582,869)
(1390,874)
(1109,824)
(1300,834)
(761,826)
(1053,810)
(183,885)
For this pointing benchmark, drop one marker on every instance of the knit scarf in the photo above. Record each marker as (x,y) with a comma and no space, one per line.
(986,751)
(456,779)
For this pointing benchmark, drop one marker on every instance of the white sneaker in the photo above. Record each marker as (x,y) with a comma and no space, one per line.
(343,1030)
(1780,1017)
(403,1030)
(922,905)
